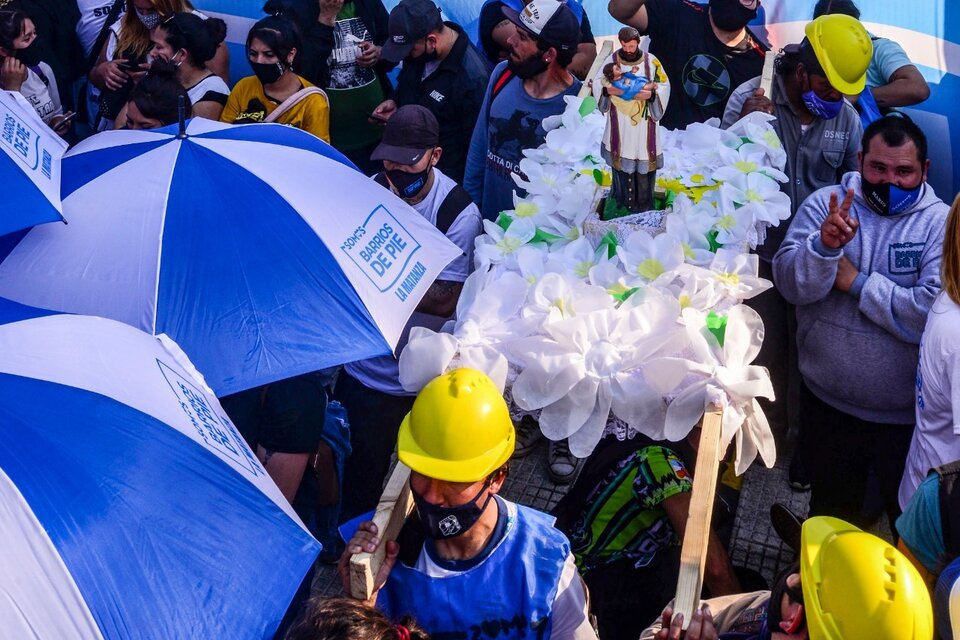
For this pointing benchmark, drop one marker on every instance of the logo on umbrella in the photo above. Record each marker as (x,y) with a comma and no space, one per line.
(382,248)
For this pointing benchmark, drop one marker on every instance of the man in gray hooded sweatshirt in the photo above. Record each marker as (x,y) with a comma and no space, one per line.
(861,262)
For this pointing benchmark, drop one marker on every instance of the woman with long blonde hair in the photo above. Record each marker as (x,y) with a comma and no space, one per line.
(935,438)
(125,55)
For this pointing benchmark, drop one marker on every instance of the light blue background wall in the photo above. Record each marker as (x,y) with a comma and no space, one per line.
(929,30)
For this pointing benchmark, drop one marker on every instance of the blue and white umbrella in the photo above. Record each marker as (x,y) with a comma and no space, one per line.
(258,248)
(29,166)
(130,507)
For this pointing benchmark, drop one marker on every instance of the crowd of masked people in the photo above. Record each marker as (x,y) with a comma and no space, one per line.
(862,327)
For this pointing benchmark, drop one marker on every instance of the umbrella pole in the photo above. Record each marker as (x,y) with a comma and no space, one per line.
(182,112)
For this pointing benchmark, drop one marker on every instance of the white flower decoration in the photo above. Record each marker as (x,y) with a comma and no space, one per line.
(650,259)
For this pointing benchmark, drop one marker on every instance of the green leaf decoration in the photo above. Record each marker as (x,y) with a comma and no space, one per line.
(712,240)
(503,221)
(623,295)
(588,106)
(598,176)
(717,325)
(609,240)
(543,236)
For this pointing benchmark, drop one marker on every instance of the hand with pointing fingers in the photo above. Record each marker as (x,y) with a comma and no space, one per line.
(839,228)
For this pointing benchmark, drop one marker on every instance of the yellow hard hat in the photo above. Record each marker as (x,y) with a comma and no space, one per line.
(857,586)
(843,48)
(459,429)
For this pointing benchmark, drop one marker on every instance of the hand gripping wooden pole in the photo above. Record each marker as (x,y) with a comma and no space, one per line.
(605,50)
(395,505)
(693,553)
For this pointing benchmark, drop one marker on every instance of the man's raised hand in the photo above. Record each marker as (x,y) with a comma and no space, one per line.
(839,228)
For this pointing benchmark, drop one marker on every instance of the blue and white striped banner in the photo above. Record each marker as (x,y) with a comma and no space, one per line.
(929,31)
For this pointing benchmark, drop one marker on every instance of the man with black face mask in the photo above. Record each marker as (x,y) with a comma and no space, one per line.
(706,52)
(442,71)
(468,559)
(861,262)
(370,389)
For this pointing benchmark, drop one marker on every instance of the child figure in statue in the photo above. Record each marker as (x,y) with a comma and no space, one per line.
(634,94)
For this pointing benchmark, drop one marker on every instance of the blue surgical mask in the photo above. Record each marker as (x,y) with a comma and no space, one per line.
(824,109)
(888,199)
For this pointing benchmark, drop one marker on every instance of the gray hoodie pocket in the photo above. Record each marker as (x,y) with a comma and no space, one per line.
(871,370)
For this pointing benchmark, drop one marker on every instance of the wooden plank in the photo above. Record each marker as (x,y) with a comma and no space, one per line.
(395,505)
(693,553)
(605,50)
(766,78)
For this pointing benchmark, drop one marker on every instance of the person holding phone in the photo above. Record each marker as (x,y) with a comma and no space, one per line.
(22,71)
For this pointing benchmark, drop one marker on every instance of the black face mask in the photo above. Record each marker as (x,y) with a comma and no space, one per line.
(774,609)
(532,66)
(407,184)
(730,15)
(425,57)
(29,56)
(888,199)
(443,523)
(267,72)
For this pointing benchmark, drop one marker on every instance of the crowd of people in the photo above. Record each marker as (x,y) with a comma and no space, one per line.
(862,326)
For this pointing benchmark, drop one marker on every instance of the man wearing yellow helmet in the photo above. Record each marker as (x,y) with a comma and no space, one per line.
(468,559)
(850,585)
(820,132)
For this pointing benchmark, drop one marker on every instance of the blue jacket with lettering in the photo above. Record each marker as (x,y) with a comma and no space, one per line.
(510,594)
(859,350)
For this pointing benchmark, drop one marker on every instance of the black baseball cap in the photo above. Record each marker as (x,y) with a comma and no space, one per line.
(409,133)
(409,21)
(549,20)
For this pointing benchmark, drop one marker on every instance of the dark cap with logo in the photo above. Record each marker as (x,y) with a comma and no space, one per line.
(549,20)
(409,21)
(409,133)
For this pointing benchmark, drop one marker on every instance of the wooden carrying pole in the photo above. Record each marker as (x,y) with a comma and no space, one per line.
(395,505)
(605,50)
(766,78)
(693,553)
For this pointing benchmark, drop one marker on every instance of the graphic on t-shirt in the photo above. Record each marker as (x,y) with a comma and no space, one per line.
(509,137)
(706,80)
(345,73)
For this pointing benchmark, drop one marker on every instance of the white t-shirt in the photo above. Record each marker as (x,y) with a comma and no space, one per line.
(569,615)
(211,84)
(936,438)
(44,96)
(383,374)
(93,13)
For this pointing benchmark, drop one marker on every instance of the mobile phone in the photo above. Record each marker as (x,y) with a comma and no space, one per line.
(378,117)
(67,119)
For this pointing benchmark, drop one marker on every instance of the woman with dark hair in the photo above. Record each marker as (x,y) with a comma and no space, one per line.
(22,71)
(348,619)
(189,42)
(275,93)
(155,101)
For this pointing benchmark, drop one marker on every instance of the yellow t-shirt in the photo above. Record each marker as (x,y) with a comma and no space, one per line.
(248,103)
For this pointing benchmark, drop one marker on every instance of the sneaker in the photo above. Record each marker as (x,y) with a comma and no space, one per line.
(799,477)
(787,524)
(561,464)
(528,436)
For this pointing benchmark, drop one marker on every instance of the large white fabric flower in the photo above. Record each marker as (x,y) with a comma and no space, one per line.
(756,128)
(650,259)
(497,246)
(736,274)
(747,158)
(725,371)
(558,297)
(766,202)
(589,364)
(691,233)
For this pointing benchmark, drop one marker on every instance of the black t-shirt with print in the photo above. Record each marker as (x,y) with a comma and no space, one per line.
(703,71)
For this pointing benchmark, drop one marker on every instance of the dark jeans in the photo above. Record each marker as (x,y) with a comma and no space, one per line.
(846,449)
(375,419)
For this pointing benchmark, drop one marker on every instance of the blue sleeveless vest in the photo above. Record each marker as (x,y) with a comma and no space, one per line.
(508,595)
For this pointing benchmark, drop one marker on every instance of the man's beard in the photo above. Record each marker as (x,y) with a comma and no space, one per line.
(630,57)
(532,66)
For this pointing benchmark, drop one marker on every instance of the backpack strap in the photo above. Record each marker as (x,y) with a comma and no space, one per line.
(950,506)
(456,201)
(498,86)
